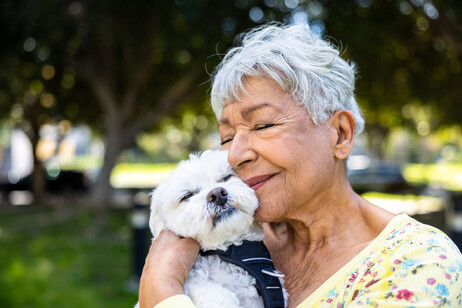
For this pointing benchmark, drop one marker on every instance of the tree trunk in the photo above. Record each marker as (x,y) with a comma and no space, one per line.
(103,190)
(119,135)
(38,179)
(32,131)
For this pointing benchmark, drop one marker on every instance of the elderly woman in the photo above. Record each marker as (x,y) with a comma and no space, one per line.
(288,116)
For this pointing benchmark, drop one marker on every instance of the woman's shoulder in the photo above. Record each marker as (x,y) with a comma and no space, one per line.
(416,263)
(408,262)
(412,238)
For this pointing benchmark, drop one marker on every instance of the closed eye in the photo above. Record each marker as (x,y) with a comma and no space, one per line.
(263,126)
(225,141)
(226,178)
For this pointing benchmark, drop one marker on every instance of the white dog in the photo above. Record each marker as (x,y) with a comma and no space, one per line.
(204,199)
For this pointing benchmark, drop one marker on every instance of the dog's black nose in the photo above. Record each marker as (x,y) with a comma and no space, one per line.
(218,195)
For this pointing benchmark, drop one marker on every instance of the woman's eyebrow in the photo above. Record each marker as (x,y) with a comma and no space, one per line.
(248,111)
(223,121)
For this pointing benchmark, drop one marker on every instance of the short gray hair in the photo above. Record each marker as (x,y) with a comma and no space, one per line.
(300,61)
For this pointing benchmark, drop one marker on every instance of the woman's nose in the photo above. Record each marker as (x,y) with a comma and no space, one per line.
(241,151)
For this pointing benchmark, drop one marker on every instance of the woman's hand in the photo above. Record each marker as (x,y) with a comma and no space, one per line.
(167,265)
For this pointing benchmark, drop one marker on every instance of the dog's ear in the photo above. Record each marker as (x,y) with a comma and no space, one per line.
(156,221)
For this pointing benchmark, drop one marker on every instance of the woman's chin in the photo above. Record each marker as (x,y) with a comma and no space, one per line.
(263,214)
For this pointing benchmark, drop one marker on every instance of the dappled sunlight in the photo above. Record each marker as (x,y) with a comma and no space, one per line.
(409,204)
(444,175)
(99,101)
(138,175)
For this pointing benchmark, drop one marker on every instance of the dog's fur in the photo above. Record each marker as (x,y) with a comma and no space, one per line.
(182,203)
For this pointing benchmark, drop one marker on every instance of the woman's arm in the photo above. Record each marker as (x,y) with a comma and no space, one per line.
(167,265)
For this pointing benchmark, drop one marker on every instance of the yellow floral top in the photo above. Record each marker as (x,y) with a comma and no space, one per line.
(408,265)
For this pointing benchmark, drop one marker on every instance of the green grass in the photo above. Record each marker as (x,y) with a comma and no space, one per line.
(49,259)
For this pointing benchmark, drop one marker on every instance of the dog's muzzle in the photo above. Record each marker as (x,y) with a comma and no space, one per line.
(220,207)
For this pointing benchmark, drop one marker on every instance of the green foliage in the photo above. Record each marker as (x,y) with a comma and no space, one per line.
(177,137)
(139,49)
(47,261)
(402,51)
(407,53)
(442,146)
(448,176)
(123,66)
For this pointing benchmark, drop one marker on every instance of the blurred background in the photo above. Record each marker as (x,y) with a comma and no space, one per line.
(100,99)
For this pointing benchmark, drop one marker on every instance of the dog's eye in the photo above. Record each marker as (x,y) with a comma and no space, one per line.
(186,196)
(226,178)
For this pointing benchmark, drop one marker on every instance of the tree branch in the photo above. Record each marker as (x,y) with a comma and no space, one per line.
(140,79)
(102,88)
(450,32)
(169,101)
(141,73)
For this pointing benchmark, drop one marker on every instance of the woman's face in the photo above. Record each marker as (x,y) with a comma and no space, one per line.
(277,150)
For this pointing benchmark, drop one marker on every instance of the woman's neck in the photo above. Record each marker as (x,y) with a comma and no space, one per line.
(312,245)
(334,218)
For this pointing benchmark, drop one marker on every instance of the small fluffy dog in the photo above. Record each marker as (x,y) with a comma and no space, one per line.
(205,200)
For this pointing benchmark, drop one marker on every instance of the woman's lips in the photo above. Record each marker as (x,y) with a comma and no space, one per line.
(258,181)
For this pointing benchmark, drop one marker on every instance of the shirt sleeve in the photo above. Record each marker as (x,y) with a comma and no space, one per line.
(176,301)
(423,272)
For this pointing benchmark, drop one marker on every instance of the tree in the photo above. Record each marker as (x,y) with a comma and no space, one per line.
(408,57)
(131,62)
(35,76)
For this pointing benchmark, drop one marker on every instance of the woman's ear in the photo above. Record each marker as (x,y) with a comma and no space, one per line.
(344,123)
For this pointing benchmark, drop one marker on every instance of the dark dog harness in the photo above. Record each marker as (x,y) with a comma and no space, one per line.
(254,257)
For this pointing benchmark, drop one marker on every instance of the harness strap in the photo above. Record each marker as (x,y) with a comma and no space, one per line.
(254,257)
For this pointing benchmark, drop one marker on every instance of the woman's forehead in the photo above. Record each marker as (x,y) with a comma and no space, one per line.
(260,90)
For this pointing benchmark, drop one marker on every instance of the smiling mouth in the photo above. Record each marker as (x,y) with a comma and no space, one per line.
(258,181)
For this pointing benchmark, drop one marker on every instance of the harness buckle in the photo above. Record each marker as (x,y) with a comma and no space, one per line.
(274,273)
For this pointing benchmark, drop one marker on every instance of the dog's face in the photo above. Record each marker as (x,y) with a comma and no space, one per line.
(204,199)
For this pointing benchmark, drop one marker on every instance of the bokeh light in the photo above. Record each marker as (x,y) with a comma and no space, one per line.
(29,44)
(256,15)
(48,72)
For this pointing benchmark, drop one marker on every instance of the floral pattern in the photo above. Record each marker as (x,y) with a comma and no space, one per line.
(408,265)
